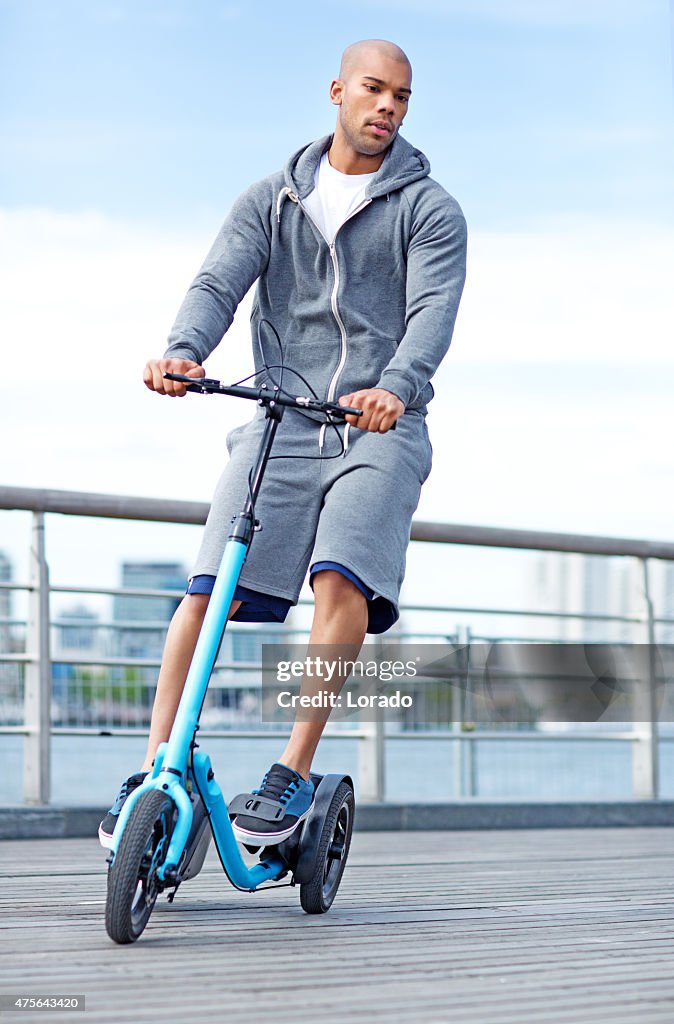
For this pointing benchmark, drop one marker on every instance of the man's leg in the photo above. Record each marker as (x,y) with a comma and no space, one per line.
(340,617)
(181,640)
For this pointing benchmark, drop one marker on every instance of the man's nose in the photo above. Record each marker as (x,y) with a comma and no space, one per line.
(386,102)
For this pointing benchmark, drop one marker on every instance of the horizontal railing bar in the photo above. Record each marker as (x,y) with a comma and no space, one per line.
(408,734)
(94,661)
(472,735)
(484,638)
(121,662)
(203,733)
(635,619)
(441,609)
(525,613)
(104,506)
(159,624)
(130,625)
(453,609)
(117,591)
(539,540)
(116,506)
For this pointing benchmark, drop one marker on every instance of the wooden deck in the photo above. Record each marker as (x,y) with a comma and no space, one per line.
(544,926)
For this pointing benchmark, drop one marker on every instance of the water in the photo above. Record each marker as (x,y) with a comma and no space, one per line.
(87,770)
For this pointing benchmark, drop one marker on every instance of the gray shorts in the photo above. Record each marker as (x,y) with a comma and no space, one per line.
(355,509)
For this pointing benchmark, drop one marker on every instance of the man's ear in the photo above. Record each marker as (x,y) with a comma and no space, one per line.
(336,92)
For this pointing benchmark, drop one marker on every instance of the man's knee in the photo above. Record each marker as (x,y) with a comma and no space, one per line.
(332,589)
(193,606)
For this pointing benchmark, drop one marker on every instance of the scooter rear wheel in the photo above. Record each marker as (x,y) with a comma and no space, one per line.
(318,893)
(133,885)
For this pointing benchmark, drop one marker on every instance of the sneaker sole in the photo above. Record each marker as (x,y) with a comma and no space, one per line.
(242,835)
(104,839)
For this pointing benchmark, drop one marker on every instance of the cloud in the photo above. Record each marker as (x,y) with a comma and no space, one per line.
(575,290)
(553,406)
(89,301)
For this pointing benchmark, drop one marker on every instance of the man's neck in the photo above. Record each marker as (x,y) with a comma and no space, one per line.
(346,159)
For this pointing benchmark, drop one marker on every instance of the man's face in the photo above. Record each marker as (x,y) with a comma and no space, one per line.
(372,102)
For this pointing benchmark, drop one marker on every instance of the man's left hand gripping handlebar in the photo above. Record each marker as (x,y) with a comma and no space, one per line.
(380,408)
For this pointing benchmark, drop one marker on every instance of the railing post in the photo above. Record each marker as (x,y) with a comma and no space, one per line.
(37,679)
(371,762)
(645,760)
(371,751)
(466,759)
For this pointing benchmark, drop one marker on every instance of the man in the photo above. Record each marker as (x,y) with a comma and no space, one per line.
(360,262)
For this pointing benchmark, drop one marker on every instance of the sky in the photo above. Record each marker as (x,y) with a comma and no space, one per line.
(128,130)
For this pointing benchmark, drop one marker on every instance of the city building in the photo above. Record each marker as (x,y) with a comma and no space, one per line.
(77,632)
(141,622)
(590,585)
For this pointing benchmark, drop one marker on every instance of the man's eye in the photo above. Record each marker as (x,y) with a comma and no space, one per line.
(372,88)
(403,99)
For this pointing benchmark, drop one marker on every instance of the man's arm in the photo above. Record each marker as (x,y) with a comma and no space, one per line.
(237,258)
(436,271)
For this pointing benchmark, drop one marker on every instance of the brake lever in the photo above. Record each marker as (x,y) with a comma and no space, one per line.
(194,383)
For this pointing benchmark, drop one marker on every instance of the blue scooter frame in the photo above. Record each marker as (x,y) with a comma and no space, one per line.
(177,763)
(170,764)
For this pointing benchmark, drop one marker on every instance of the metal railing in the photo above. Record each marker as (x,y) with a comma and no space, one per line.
(37,660)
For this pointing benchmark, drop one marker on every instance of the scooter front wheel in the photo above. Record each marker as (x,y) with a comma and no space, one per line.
(133,884)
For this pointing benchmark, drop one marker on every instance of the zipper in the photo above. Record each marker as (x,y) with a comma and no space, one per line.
(344,345)
(335,263)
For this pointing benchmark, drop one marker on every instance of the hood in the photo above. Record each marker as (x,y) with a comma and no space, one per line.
(402,165)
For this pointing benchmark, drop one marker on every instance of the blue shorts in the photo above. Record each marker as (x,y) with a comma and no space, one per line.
(258,607)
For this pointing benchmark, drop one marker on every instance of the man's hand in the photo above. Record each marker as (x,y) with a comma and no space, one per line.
(380,409)
(153,375)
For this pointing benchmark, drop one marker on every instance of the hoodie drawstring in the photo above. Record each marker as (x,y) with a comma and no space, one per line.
(285,192)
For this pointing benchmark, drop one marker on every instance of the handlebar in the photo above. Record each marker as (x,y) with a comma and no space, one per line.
(264,395)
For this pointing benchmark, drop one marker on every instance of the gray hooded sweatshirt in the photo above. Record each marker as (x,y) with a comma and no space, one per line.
(376,308)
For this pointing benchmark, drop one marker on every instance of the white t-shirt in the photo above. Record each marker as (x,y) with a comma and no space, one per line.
(335,196)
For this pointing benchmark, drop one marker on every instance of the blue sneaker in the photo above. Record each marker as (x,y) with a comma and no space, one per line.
(107,826)
(270,814)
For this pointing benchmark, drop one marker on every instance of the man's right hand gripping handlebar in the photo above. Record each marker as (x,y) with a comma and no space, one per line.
(154,379)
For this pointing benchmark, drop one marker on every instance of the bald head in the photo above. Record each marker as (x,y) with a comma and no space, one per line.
(372,93)
(356,56)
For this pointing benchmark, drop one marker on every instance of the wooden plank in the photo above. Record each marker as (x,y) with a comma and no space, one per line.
(535,927)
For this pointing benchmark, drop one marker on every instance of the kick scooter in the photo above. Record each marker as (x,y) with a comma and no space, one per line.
(163,833)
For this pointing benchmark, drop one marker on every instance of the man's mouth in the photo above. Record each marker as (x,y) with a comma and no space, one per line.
(381,128)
